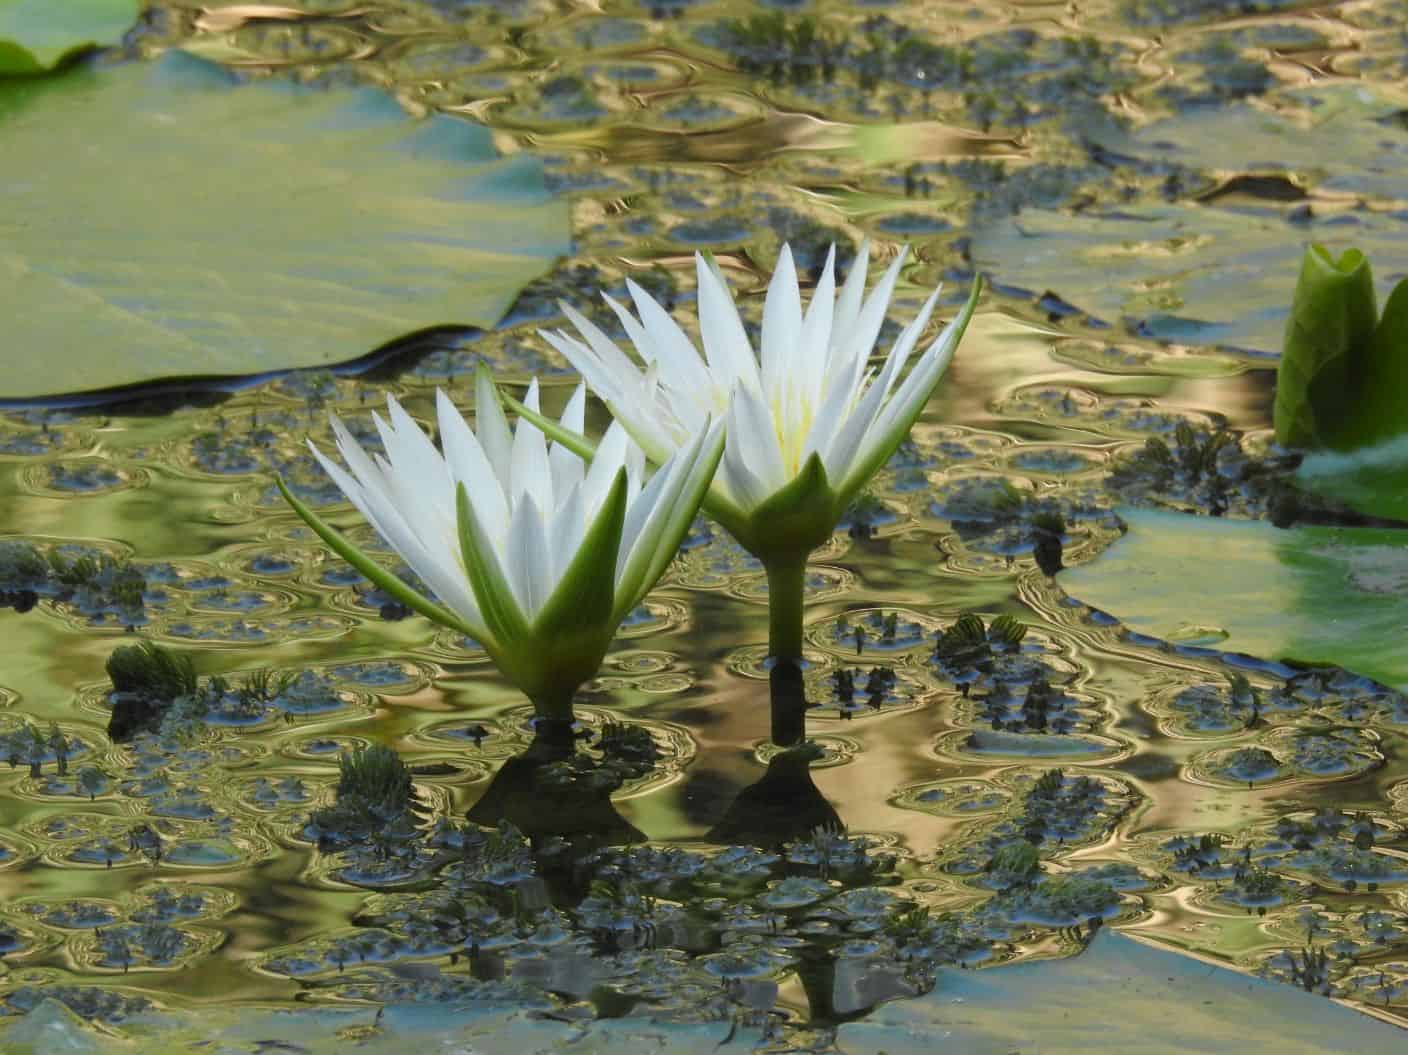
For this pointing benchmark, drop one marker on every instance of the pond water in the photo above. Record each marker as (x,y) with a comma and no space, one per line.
(1137,181)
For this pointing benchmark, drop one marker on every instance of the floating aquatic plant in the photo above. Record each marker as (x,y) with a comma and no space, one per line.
(808,423)
(531,552)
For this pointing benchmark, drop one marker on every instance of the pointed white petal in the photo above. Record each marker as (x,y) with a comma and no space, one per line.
(568,526)
(470,465)
(782,324)
(491,427)
(852,290)
(610,456)
(752,429)
(567,468)
(680,365)
(726,344)
(529,459)
(529,566)
(815,341)
(860,341)
(439,569)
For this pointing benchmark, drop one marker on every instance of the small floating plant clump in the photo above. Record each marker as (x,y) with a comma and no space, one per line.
(96,584)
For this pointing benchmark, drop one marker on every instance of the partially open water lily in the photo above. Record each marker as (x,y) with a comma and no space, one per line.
(809,421)
(532,552)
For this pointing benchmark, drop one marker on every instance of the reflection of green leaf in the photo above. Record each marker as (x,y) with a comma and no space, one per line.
(1329,329)
(1328,595)
(36,35)
(160,221)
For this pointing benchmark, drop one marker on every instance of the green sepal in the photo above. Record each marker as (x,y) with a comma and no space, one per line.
(554,430)
(797,518)
(1328,332)
(375,572)
(575,622)
(492,591)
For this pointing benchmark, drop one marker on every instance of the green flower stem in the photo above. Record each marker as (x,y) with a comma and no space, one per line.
(787,575)
(554,705)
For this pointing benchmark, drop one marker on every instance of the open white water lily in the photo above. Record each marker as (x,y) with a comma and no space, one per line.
(809,420)
(531,551)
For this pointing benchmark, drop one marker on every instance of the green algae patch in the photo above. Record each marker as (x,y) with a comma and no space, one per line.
(38,35)
(1313,594)
(164,221)
(1119,995)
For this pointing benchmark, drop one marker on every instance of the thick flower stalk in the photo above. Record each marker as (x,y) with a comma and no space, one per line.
(810,421)
(528,549)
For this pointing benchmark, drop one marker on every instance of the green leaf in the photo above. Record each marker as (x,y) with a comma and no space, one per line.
(294,227)
(1326,595)
(37,35)
(644,571)
(1381,409)
(554,430)
(576,619)
(492,592)
(1332,321)
(339,544)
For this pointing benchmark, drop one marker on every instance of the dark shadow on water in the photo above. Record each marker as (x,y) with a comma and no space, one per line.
(533,792)
(785,804)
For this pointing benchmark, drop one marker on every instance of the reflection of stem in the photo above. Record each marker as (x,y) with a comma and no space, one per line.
(787,575)
(554,705)
(789,703)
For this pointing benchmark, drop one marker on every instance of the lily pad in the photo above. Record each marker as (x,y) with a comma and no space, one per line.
(1119,995)
(37,35)
(1373,480)
(1314,594)
(163,221)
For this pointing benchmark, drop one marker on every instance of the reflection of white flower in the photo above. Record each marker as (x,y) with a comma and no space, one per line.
(809,421)
(530,551)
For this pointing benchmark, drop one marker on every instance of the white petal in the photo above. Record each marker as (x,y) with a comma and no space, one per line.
(860,341)
(491,427)
(726,344)
(529,472)
(612,359)
(848,304)
(470,466)
(752,430)
(912,394)
(439,569)
(610,457)
(680,365)
(742,483)
(782,324)
(529,565)
(569,525)
(567,468)
(815,341)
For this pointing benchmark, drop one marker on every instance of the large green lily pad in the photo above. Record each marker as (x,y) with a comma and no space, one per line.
(161,220)
(1373,480)
(37,35)
(1323,595)
(1118,997)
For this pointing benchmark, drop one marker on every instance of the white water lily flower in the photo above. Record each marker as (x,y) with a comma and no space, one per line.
(532,552)
(809,420)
